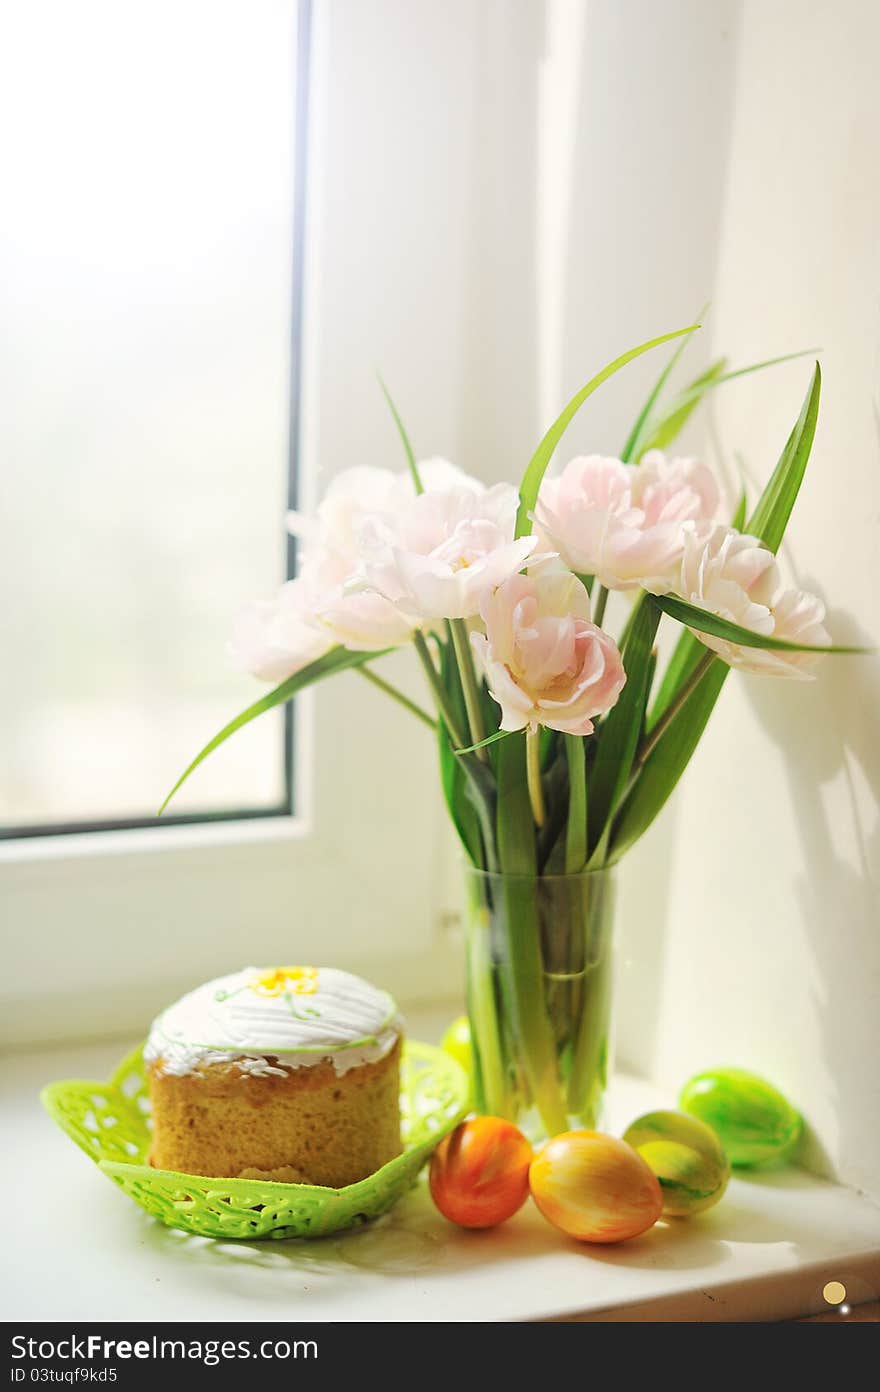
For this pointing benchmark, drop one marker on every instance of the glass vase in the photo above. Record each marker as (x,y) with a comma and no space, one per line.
(539,980)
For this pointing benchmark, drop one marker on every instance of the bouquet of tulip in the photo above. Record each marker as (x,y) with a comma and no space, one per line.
(558,743)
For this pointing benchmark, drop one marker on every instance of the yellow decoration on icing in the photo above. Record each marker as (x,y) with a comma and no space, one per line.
(302,981)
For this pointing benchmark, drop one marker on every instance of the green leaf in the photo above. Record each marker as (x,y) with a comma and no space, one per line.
(706,622)
(336,660)
(773,508)
(668,759)
(470,800)
(620,731)
(551,837)
(709,375)
(518,919)
(661,433)
(739,515)
(686,654)
(667,762)
(549,740)
(636,597)
(576,825)
(462,812)
(490,739)
(649,682)
(515,828)
(631,448)
(405,440)
(481,791)
(528,492)
(770,518)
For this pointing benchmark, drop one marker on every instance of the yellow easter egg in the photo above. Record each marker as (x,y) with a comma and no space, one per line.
(595,1187)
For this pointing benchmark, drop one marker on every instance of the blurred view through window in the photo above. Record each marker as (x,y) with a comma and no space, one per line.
(146,259)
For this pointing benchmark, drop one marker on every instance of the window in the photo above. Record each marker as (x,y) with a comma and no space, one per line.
(150,246)
(361,876)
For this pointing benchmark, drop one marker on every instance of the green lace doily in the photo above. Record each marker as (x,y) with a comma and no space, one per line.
(110,1122)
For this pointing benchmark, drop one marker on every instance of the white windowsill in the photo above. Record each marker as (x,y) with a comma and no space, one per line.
(147,840)
(82,1249)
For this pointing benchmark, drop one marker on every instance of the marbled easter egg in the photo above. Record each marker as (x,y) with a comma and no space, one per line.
(687,1158)
(479,1175)
(752,1120)
(594,1187)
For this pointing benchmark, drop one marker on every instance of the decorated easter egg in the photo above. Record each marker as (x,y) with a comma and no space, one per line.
(752,1120)
(687,1158)
(595,1187)
(479,1174)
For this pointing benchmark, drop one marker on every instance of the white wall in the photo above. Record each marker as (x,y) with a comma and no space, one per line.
(771,941)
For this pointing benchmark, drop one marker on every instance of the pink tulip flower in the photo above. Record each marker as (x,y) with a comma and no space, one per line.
(545,662)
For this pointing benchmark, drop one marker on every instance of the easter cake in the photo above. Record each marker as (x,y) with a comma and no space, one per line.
(285,1073)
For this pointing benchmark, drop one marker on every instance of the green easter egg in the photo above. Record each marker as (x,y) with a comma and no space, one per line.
(457,1042)
(753,1121)
(687,1158)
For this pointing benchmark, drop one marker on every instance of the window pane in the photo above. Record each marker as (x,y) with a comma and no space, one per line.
(146,252)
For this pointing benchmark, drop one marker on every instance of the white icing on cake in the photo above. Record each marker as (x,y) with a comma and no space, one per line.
(299,1016)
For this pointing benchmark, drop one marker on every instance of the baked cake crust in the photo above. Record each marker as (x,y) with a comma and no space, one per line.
(307,1126)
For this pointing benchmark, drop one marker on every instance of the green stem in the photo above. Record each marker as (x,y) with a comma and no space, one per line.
(490,1084)
(396,695)
(523,967)
(455,731)
(533,776)
(576,825)
(525,982)
(599,607)
(649,743)
(589,1054)
(462,649)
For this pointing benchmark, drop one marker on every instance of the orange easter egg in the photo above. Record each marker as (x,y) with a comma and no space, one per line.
(595,1187)
(480,1172)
